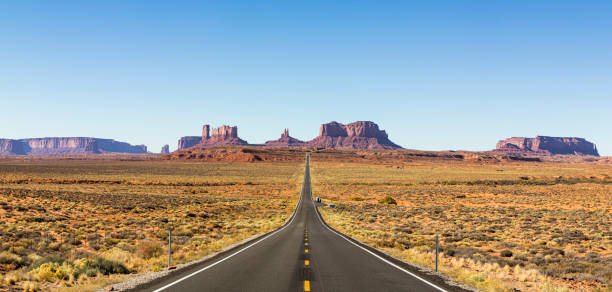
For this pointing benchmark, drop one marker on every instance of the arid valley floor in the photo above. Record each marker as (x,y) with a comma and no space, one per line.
(82,222)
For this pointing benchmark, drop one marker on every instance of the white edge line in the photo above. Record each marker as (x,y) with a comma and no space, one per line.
(370,252)
(250,245)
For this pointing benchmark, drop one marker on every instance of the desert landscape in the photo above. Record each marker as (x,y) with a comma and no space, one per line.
(413,146)
(79,224)
(535,214)
(506,223)
(510,226)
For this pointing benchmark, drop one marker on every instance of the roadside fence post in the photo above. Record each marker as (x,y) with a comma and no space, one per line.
(437,249)
(169,246)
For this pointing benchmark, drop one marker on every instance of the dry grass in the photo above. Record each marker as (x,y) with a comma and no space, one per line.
(78,225)
(537,226)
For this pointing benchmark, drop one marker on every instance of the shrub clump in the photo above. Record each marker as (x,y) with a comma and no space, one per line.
(52,271)
(7,258)
(149,249)
(388,200)
(505,253)
(102,266)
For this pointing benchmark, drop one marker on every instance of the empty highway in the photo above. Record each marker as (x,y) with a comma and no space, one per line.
(303,255)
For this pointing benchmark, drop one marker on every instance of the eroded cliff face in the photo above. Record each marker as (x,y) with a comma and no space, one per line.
(67,145)
(545,145)
(357,135)
(11,147)
(188,141)
(285,141)
(221,136)
(112,146)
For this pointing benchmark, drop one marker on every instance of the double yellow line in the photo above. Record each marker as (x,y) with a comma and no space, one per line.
(306,262)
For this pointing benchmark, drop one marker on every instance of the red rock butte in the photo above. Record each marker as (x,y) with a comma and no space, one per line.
(224,135)
(357,135)
(221,136)
(545,145)
(165,149)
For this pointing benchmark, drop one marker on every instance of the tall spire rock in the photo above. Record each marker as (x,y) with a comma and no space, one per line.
(165,149)
(285,141)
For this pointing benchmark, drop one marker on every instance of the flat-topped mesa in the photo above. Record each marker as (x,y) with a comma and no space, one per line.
(357,135)
(221,136)
(67,145)
(222,133)
(285,141)
(12,147)
(333,129)
(188,141)
(545,145)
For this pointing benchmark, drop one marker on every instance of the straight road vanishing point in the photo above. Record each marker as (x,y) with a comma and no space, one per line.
(303,255)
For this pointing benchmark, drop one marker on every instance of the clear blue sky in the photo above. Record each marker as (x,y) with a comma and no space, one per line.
(435,74)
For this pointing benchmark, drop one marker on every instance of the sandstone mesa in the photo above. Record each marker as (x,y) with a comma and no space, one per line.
(545,145)
(66,145)
(357,135)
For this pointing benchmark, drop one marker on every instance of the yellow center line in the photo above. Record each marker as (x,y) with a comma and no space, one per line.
(306,285)
(306,262)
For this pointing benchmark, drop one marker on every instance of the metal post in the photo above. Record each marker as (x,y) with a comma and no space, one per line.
(437,250)
(169,246)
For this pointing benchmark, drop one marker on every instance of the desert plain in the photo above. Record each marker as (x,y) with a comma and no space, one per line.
(79,223)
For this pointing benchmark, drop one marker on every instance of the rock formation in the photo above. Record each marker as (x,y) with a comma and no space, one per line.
(165,149)
(67,145)
(357,135)
(222,136)
(285,141)
(12,147)
(188,141)
(544,145)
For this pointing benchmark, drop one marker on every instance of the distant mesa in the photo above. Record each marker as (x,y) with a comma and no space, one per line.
(165,149)
(357,135)
(221,136)
(188,141)
(545,145)
(66,145)
(285,141)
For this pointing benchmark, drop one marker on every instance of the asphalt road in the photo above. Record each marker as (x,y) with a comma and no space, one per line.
(304,255)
